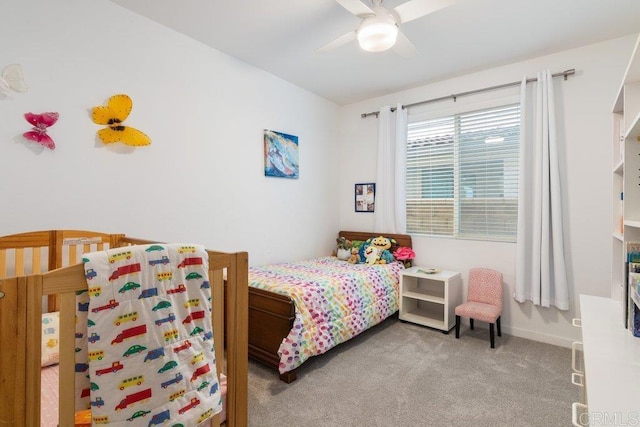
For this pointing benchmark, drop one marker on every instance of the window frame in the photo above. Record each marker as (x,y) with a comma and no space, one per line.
(431,112)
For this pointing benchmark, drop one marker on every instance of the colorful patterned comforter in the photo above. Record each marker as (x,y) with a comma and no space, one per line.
(334,302)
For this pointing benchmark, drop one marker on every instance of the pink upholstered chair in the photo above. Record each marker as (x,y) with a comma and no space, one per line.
(484,300)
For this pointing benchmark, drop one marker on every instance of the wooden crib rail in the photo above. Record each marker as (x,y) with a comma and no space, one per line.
(37,242)
(128,241)
(20,334)
(63,282)
(20,331)
(28,240)
(60,248)
(236,331)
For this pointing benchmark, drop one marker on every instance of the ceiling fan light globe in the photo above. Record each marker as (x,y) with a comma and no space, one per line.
(377,35)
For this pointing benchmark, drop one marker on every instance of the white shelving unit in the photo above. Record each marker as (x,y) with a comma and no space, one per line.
(611,365)
(430,299)
(611,352)
(626,174)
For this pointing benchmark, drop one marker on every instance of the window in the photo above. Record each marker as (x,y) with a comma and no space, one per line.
(462,175)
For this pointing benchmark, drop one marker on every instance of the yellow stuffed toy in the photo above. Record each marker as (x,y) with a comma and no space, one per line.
(377,250)
(371,255)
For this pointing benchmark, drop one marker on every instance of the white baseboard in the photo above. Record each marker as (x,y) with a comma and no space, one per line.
(537,336)
(529,334)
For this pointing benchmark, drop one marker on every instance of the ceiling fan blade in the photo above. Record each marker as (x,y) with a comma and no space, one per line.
(342,40)
(356,7)
(414,9)
(404,47)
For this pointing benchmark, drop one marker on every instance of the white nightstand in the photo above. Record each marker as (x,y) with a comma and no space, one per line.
(430,299)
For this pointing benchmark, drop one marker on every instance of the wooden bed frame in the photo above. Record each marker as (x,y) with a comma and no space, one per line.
(271,315)
(26,255)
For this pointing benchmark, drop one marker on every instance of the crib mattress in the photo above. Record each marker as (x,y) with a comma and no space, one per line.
(49,396)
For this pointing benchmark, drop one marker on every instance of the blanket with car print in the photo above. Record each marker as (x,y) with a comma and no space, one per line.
(150,343)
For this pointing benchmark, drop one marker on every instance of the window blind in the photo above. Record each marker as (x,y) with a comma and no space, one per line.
(462,175)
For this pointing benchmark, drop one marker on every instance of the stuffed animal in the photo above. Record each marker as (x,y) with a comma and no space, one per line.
(355,252)
(344,248)
(355,256)
(371,255)
(382,253)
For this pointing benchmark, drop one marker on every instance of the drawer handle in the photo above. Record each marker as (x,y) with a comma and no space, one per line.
(574,346)
(576,322)
(575,381)
(574,414)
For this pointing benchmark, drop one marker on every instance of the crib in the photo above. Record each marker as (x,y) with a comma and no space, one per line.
(42,271)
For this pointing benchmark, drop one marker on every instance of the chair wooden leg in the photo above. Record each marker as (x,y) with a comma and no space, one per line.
(498,325)
(457,326)
(471,321)
(491,335)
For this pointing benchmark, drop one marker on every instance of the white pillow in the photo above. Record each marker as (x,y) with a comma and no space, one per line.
(50,349)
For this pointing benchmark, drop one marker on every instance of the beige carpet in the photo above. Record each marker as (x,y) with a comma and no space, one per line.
(400,374)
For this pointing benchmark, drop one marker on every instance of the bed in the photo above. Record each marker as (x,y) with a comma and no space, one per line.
(272,314)
(41,272)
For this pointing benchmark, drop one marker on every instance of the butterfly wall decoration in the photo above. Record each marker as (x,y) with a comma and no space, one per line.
(40,124)
(113,115)
(11,80)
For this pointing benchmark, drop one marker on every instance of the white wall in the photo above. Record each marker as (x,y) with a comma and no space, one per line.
(584,104)
(202,179)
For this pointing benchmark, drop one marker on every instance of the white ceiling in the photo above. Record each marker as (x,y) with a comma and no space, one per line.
(281,36)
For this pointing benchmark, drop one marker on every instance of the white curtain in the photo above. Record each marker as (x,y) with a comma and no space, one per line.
(390,206)
(540,265)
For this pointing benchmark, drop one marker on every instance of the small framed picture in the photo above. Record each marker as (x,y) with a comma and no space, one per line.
(365,197)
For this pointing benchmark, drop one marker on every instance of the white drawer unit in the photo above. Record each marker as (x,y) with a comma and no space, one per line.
(430,299)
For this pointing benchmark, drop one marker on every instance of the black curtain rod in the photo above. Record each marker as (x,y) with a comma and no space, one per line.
(565,74)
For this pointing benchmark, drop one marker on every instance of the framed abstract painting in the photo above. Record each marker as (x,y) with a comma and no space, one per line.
(280,155)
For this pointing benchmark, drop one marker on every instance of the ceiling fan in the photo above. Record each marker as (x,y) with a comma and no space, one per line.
(379,28)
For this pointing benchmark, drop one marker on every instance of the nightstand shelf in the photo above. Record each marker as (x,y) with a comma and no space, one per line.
(423,297)
(430,299)
(423,316)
